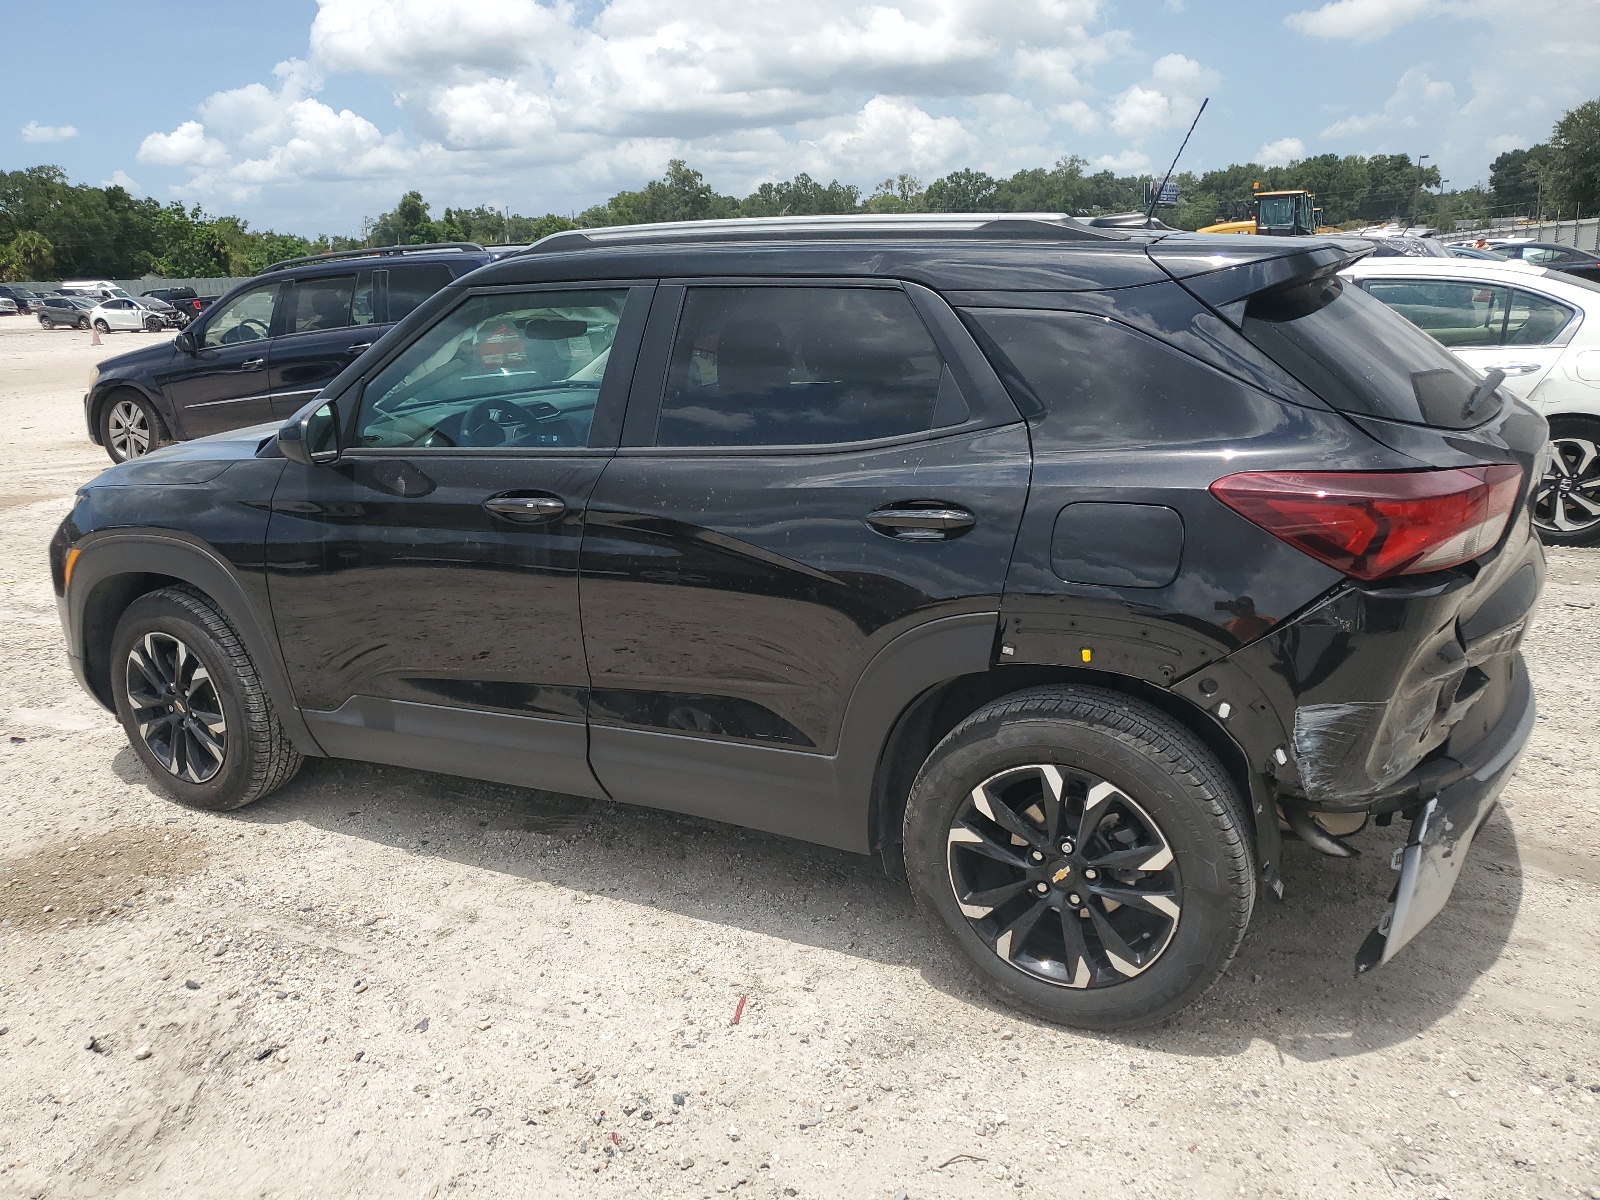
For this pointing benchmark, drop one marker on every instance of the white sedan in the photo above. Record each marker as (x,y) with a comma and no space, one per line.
(1542,328)
(124,312)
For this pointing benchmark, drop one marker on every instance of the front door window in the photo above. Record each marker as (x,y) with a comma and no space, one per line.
(245,318)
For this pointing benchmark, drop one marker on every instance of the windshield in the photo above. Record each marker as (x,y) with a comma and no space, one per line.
(1362,357)
(1277,210)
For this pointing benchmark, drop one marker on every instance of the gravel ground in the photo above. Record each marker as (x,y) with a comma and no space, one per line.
(381,982)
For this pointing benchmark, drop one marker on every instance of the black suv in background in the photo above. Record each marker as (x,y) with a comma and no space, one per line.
(1054,565)
(188,302)
(266,347)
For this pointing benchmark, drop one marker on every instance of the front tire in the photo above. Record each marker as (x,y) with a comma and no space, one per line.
(193,705)
(83,322)
(152,325)
(1083,856)
(1566,501)
(130,427)
(100,324)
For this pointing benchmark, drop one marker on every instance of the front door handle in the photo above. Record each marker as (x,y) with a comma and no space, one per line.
(358,348)
(922,521)
(252,364)
(1516,368)
(526,509)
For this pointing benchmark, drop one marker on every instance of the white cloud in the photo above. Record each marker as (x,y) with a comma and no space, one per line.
(1419,102)
(1363,20)
(1127,162)
(1167,99)
(124,181)
(1281,152)
(35,132)
(573,100)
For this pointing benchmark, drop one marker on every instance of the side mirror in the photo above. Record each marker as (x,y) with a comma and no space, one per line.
(185,342)
(311,437)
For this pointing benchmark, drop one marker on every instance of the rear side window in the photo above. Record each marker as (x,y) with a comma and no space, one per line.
(780,366)
(1361,357)
(410,286)
(1534,320)
(319,304)
(1458,315)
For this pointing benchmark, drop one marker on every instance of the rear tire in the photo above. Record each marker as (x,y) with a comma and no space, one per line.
(1023,886)
(130,427)
(193,705)
(1570,489)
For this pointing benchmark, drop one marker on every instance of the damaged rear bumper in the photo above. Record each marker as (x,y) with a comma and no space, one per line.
(1441,834)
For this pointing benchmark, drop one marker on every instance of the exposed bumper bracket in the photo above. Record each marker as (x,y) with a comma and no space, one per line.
(1442,833)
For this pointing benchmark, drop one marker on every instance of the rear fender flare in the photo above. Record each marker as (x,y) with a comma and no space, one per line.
(905,669)
(122,553)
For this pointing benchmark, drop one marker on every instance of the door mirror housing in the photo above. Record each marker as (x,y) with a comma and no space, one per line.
(185,342)
(311,436)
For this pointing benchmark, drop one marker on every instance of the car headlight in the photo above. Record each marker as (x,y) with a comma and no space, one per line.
(94,374)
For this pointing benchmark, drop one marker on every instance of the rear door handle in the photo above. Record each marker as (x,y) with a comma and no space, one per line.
(1516,368)
(527,510)
(358,348)
(252,364)
(922,521)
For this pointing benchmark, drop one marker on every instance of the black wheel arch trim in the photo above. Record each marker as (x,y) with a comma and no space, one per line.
(100,395)
(114,554)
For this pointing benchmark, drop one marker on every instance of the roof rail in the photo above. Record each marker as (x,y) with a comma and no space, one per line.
(1042,226)
(367,251)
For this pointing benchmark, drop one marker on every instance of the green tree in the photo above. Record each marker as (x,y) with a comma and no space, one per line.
(801,196)
(682,194)
(962,191)
(407,225)
(902,194)
(28,256)
(1572,172)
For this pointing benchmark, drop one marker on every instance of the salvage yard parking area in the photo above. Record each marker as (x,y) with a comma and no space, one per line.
(387,983)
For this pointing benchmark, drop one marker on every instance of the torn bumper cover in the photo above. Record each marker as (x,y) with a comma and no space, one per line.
(1441,834)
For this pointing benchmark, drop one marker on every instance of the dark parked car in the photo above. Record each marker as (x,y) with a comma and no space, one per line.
(188,303)
(21,297)
(266,347)
(1051,564)
(1554,256)
(64,312)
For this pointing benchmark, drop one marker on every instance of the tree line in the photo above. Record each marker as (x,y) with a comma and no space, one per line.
(50,228)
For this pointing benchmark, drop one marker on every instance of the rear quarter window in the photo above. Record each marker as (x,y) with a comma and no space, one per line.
(1361,357)
(410,286)
(1095,384)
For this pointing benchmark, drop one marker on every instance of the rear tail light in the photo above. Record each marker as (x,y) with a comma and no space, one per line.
(1372,525)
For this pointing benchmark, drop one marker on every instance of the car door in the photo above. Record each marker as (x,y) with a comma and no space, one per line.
(1534,335)
(220,381)
(425,585)
(809,470)
(327,321)
(1486,324)
(120,314)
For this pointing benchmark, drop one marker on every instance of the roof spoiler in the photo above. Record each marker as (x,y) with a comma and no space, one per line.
(1225,277)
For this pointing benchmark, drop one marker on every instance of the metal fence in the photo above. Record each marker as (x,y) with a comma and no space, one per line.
(203,287)
(1584,234)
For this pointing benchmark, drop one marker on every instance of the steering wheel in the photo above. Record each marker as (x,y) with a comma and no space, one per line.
(250,323)
(500,415)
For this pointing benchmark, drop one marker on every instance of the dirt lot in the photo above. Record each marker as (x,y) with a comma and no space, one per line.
(379,982)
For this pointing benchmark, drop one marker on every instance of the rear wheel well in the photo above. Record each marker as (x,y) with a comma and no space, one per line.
(926,720)
(101,612)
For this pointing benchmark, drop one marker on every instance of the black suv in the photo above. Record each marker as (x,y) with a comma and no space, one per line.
(1057,566)
(266,347)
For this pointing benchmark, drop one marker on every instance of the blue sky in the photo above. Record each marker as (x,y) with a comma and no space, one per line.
(307,116)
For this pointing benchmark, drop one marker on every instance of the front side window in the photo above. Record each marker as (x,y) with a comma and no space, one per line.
(1458,315)
(796,366)
(320,304)
(521,369)
(245,318)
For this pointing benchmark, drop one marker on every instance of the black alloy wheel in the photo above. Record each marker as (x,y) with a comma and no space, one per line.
(152,324)
(1083,856)
(1064,876)
(176,708)
(1566,501)
(193,705)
